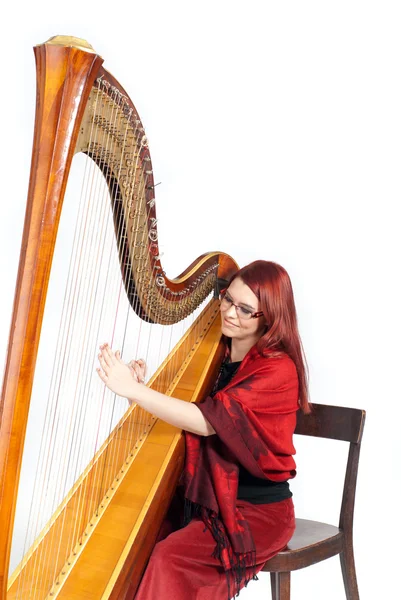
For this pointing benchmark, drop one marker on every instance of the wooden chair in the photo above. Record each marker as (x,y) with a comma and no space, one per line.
(312,541)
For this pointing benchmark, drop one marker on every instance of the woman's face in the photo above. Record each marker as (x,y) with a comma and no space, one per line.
(234,323)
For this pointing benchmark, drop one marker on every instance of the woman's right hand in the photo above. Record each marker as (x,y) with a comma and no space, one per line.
(138,369)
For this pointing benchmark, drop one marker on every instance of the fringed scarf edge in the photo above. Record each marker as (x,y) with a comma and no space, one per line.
(238,562)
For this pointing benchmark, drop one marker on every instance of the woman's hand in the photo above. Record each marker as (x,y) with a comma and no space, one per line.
(116,375)
(138,368)
(124,380)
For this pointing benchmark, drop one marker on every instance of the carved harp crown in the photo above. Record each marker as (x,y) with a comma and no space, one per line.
(104,472)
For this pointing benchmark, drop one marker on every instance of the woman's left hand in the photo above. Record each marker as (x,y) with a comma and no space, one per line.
(116,375)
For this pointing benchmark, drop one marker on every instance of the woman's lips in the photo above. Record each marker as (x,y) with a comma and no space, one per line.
(228,323)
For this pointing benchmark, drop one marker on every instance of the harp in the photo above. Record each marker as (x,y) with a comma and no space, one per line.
(94,523)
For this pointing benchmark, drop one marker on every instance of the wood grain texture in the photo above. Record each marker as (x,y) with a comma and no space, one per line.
(62,76)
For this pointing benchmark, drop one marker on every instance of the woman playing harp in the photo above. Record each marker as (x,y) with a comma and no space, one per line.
(239,445)
(105,474)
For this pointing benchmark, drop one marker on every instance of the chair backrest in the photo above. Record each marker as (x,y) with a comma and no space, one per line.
(338,423)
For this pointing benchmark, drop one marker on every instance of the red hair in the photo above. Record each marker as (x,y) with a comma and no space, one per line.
(272,285)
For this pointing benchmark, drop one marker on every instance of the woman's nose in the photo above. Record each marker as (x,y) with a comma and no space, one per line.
(231,312)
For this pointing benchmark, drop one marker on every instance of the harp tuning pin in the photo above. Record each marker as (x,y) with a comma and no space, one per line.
(152,187)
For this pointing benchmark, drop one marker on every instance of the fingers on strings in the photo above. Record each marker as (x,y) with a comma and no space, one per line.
(108,358)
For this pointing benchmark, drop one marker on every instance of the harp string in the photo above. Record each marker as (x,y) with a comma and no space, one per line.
(92,503)
(50,431)
(116,452)
(143,420)
(126,275)
(76,341)
(132,435)
(93,317)
(92,262)
(117,290)
(113,338)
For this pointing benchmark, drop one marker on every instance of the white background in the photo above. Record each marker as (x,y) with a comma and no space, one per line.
(275,130)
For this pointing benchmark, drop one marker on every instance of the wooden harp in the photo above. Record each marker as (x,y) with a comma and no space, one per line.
(96,539)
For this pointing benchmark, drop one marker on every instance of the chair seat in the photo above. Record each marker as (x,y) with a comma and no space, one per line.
(312,542)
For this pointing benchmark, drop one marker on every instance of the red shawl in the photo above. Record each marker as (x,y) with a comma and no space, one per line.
(254,417)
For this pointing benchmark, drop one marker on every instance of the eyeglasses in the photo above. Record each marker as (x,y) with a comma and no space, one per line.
(243,313)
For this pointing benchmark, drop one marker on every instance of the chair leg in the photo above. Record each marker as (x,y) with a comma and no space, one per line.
(280,585)
(273,585)
(349,573)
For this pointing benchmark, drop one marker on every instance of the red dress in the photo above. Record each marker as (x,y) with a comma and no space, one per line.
(228,540)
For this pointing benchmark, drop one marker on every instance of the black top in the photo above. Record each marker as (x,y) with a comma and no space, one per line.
(250,488)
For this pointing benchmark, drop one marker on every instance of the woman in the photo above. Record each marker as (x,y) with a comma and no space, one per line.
(239,451)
